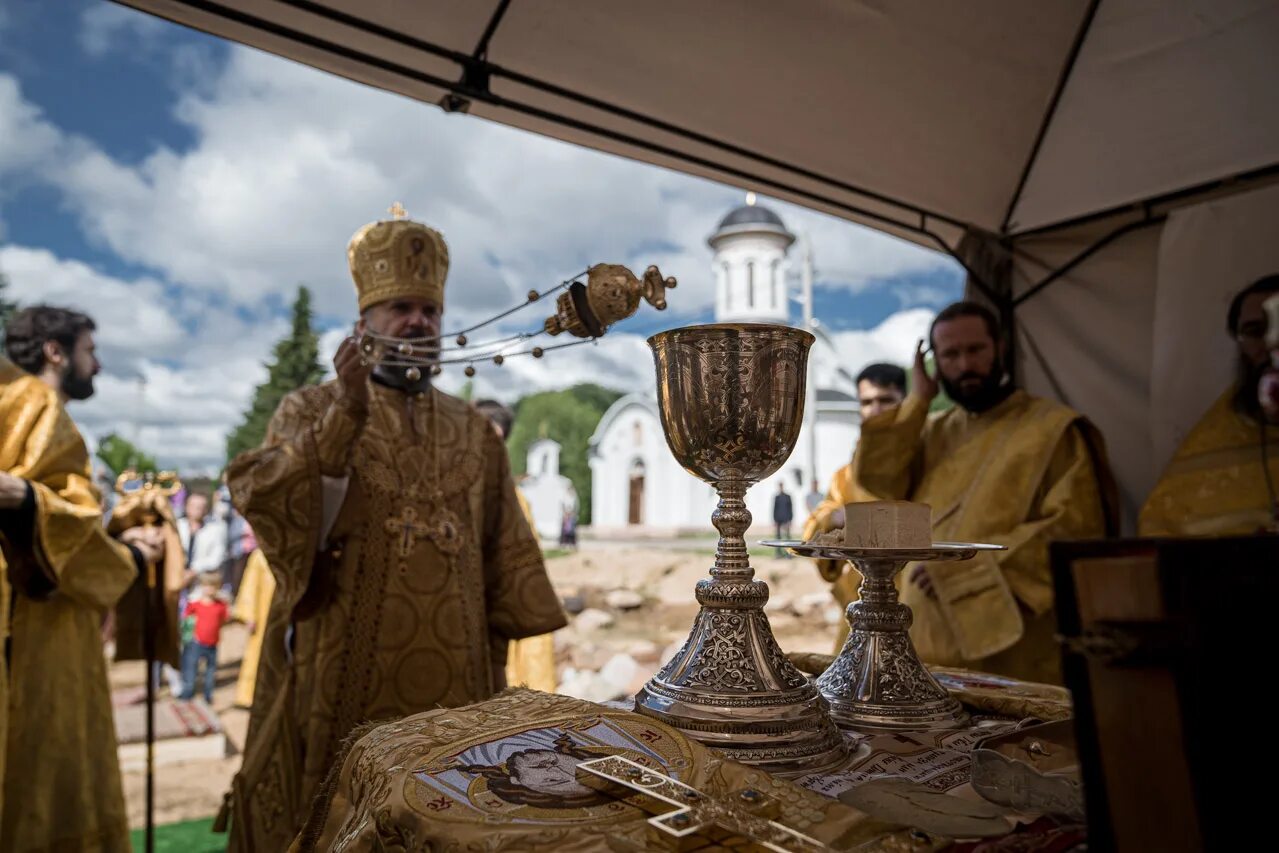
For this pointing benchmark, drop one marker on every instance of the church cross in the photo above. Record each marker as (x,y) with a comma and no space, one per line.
(397,211)
(408,528)
(682,810)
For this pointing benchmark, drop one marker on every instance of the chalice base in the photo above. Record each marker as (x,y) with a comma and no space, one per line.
(878,682)
(731,688)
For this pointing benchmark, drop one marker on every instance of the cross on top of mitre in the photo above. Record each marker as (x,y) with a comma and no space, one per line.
(397,211)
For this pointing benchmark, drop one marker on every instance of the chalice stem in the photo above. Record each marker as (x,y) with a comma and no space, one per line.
(732,519)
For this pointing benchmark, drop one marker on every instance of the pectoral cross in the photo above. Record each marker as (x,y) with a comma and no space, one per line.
(408,528)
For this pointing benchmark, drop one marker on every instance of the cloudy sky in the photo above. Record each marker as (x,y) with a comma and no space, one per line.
(180,188)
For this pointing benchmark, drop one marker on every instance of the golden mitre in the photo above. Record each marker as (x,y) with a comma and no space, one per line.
(398,257)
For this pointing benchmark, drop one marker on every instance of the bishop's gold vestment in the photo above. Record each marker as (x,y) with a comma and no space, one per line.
(62,787)
(1215,484)
(427,573)
(1021,474)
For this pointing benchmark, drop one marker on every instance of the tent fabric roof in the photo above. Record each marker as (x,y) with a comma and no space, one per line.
(922,119)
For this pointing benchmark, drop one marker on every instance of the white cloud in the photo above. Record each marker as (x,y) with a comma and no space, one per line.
(892,341)
(285,164)
(105,27)
(177,372)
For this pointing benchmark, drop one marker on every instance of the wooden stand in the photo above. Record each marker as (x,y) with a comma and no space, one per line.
(1167,647)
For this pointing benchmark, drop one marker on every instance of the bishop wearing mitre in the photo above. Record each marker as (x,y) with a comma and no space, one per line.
(386,510)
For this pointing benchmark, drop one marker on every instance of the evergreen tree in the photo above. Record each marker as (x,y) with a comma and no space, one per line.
(119,454)
(296,364)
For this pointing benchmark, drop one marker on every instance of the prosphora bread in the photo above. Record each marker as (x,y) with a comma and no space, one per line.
(888,524)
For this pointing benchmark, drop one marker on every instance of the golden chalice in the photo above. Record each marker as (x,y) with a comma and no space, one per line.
(731,399)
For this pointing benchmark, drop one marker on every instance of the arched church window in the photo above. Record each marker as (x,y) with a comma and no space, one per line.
(750,284)
(728,287)
(774,279)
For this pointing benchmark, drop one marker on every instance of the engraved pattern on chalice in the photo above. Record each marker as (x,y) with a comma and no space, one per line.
(731,399)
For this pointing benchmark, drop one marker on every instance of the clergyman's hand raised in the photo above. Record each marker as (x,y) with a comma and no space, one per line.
(353,372)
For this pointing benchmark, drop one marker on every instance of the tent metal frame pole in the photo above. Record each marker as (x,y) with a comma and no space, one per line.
(1066,70)
(1060,272)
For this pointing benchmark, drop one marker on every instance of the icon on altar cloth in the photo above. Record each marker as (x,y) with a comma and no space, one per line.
(531,775)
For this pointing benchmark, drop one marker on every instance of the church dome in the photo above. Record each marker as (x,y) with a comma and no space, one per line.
(751,218)
(750,214)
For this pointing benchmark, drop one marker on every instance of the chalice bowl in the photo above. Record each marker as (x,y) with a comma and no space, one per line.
(731,399)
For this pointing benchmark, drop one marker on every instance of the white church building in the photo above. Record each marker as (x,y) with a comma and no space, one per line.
(636,482)
(549,493)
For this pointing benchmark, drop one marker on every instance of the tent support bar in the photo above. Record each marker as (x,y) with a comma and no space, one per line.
(1236,182)
(482,49)
(1062,78)
(479,69)
(464,90)
(1087,253)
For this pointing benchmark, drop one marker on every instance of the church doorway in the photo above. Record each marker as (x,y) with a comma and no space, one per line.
(635,502)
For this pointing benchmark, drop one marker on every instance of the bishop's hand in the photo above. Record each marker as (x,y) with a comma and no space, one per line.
(353,372)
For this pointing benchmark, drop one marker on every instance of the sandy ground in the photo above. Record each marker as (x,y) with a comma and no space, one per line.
(635,641)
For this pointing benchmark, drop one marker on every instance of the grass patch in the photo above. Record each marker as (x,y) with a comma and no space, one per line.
(191,836)
(555,553)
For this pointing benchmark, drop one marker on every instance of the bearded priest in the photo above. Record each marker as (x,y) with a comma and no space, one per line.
(59,572)
(386,510)
(1000,466)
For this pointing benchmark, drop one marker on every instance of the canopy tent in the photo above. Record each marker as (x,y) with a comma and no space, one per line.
(1062,150)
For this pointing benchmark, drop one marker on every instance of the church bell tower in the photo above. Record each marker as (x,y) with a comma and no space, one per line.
(750,266)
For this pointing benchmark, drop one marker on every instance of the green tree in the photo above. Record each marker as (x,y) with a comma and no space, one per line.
(119,454)
(296,364)
(568,417)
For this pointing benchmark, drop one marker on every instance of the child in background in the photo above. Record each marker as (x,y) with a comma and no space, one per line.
(209,612)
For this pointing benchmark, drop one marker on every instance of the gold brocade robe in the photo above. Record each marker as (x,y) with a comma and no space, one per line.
(253,607)
(531,662)
(62,785)
(1022,474)
(427,573)
(1215,484)
(844,579)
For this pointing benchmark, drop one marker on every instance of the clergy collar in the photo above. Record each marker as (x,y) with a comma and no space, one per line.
(394,378)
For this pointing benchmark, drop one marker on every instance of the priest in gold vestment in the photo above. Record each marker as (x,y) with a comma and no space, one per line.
(59,572)
(386,511)
(253,608)
(1222,480)
(1001,466)
(531,661)
(880,387)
